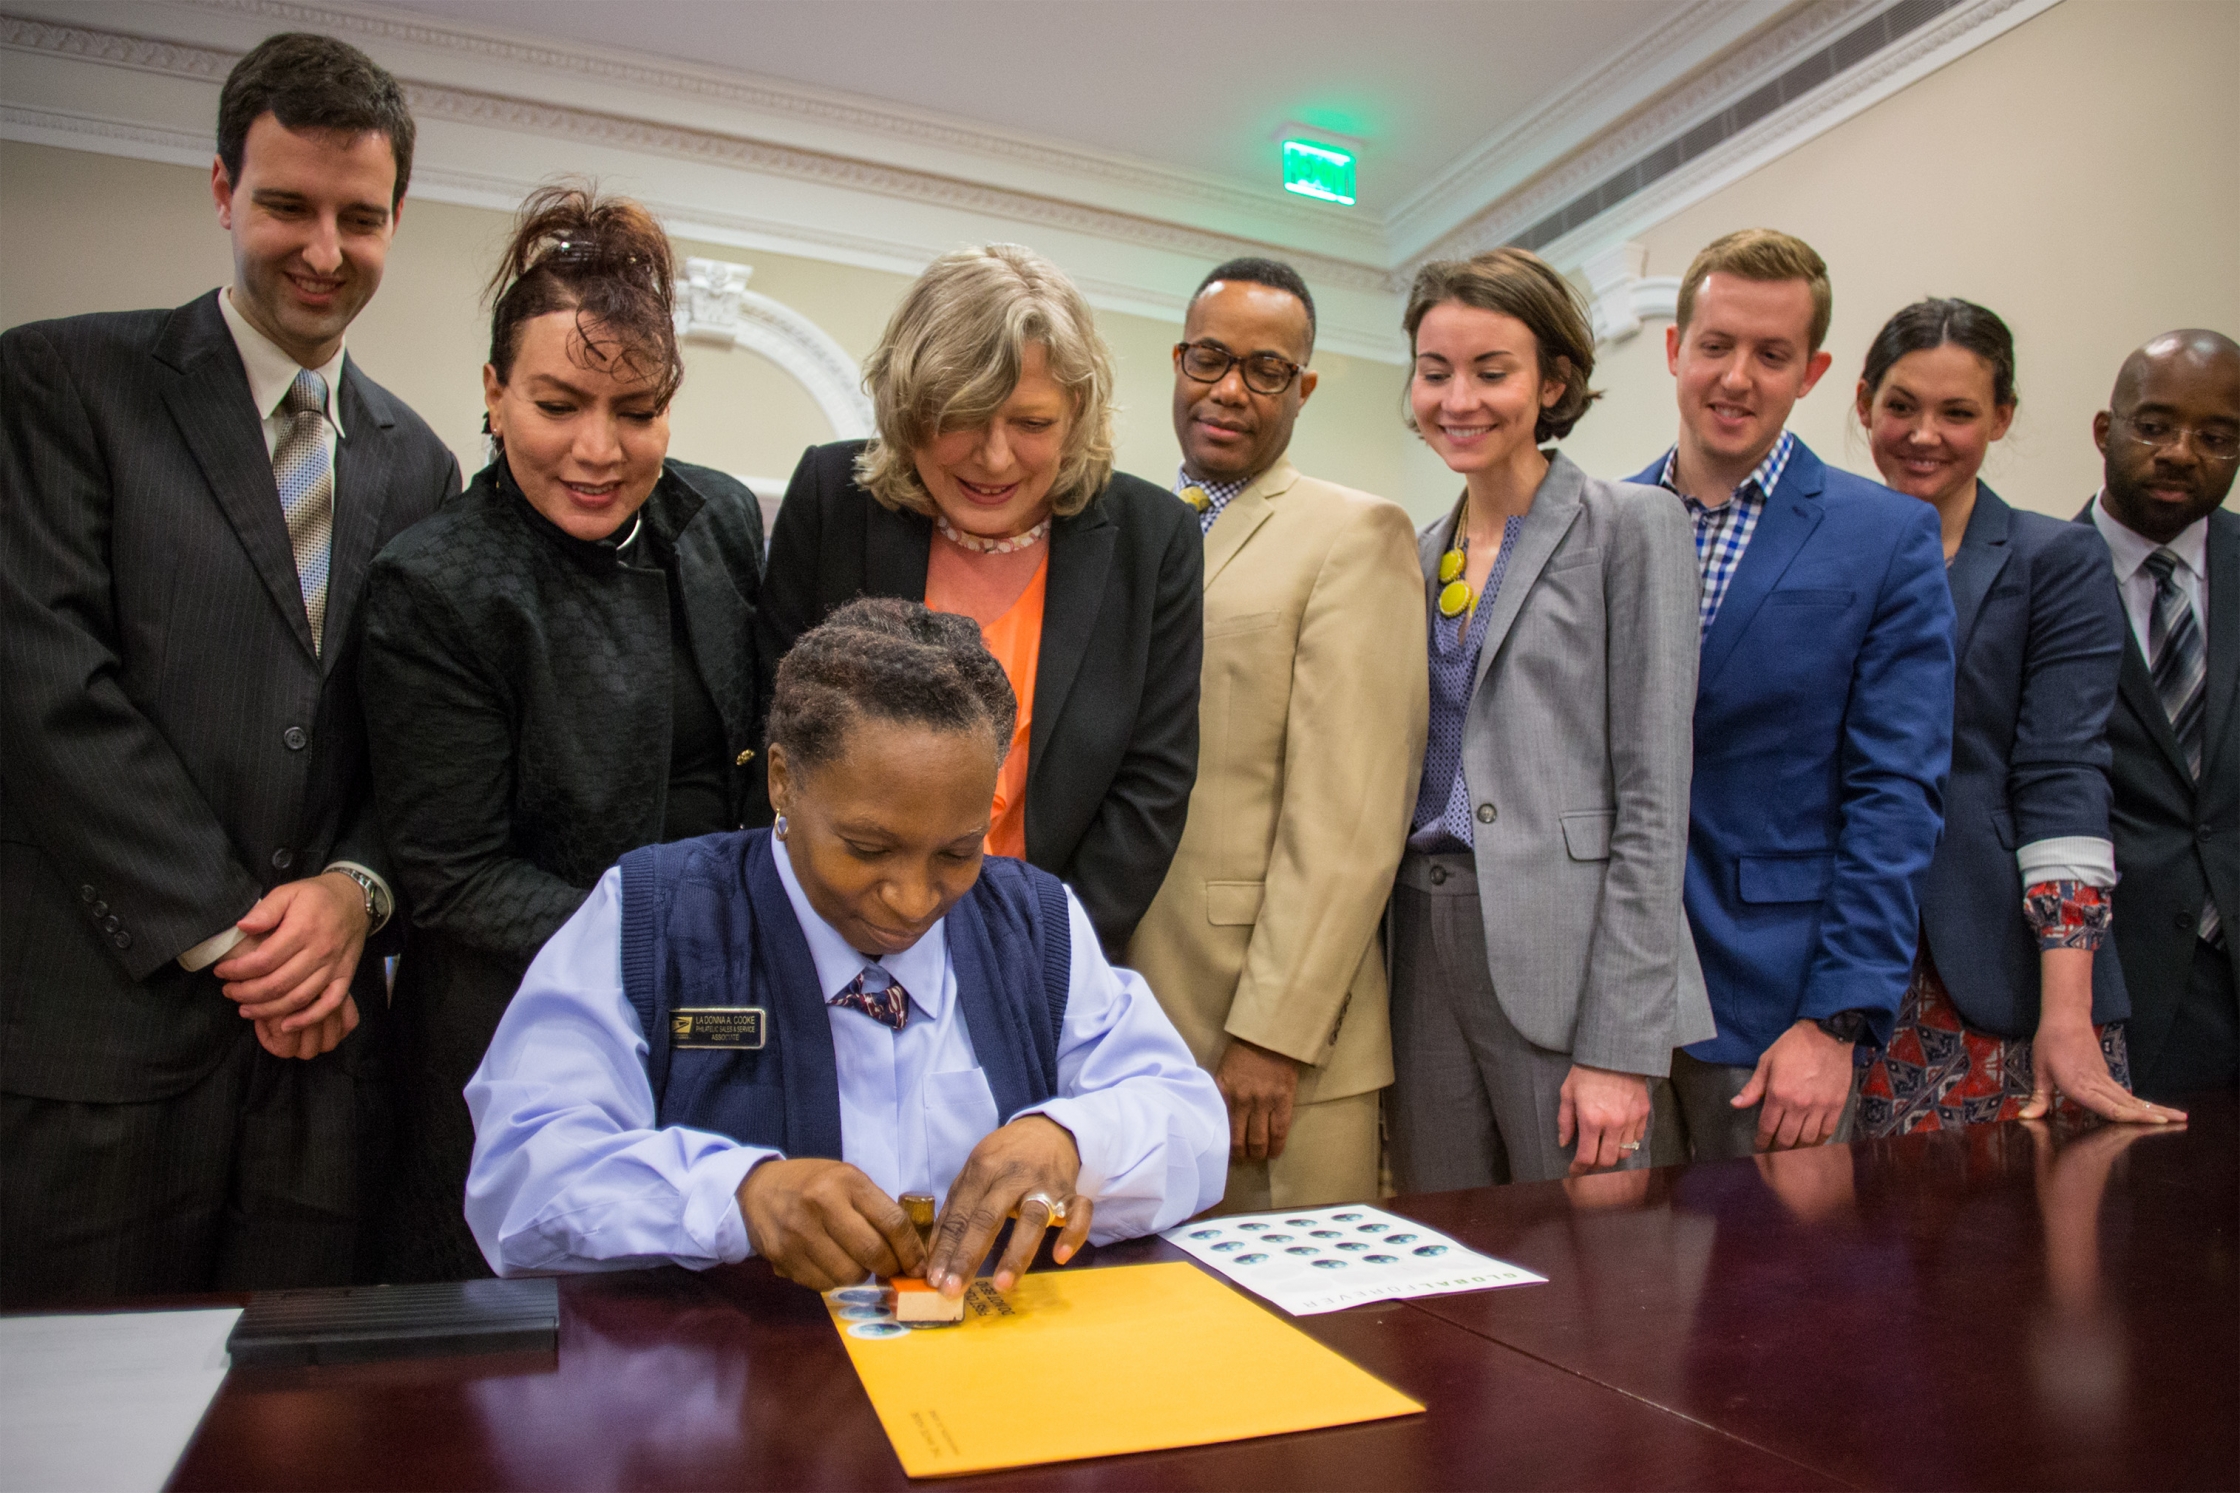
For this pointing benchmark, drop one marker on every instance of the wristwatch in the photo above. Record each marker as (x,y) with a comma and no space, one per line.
(1845,1026)
(377,898)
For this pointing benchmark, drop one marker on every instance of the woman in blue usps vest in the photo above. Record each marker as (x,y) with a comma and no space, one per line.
(752,1043)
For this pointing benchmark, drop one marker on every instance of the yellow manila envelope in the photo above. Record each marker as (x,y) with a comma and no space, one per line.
(1094,1363)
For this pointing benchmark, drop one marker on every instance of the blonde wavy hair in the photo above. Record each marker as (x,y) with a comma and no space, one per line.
(952,354)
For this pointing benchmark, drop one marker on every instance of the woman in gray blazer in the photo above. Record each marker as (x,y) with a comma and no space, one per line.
(2016,995)
(1542,968)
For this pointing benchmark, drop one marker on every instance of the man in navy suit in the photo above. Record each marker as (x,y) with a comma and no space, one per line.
(2170,443)
(1823,725)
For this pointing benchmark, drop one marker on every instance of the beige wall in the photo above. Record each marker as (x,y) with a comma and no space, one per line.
(2076,175)
(82,232)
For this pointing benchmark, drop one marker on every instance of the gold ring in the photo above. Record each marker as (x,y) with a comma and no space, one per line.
(1055,1209)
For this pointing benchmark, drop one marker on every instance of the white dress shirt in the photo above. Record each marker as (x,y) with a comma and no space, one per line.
(569,1172)
(271,373)
(2129,549)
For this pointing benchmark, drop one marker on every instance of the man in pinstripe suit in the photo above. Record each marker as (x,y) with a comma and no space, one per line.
(190,1028)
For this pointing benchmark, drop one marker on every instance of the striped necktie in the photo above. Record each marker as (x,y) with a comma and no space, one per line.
(886,1003)
(2181,670)
(303,468)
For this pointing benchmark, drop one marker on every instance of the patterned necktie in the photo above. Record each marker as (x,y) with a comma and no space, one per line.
(2181,670)
(887,1004)
(303,468)
(1197,497)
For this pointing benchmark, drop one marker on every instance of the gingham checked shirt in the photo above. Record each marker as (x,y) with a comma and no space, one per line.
(1723,533)
(1220,492)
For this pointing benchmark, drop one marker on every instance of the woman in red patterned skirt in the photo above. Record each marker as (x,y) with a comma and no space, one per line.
(2017,1001)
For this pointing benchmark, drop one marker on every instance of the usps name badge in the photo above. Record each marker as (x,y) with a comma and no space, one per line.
(726,1028)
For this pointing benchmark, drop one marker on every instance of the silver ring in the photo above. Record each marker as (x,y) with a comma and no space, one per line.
(1629,1145)
(1055,1209)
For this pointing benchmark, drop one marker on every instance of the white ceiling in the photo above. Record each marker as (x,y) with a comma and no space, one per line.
(1204,86)
(1134,141)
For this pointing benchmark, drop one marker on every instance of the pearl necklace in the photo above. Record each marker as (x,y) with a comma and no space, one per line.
(980,546)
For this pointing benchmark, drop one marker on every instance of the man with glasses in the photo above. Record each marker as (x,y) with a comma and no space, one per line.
(2170,443)
(1263,941)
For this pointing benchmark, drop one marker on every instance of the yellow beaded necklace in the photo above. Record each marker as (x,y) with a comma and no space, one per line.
(1455,595)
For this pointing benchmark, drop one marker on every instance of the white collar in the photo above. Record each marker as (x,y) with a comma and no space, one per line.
(271,370)
(921,969)
(2130,548)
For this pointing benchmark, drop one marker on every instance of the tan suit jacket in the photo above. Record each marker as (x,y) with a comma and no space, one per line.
(1311,728)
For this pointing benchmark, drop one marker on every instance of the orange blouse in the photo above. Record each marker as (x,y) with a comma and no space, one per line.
(1015,639)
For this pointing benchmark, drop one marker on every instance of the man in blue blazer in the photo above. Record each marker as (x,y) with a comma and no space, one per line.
(1823,724)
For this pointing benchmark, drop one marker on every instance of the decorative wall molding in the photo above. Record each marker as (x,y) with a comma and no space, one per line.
(1623,298)
(1600,96)
(1845,96)
(1704,93)
(770,165)
(526,116)
(714,305)
(786,98)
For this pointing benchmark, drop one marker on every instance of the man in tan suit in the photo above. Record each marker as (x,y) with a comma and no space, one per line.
(1263,942)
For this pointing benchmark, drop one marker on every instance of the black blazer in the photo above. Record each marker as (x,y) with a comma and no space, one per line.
(1113,751)
(171,748)
(520,692)
(2177,843)
(2038,635)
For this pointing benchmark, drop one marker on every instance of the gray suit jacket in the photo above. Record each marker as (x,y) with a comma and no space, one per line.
(171,746)
(1579,738)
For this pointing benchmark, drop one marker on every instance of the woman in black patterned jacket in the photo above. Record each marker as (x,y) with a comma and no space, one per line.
(558,668)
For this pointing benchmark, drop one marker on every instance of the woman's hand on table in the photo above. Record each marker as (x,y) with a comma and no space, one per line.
(824,1224)
(2066,1060)
(1004,1172)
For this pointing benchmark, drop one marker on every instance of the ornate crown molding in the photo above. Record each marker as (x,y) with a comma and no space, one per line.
(1910,58)
(1702,94)
(801,102)
(471,106)
(628,106)
(1575,111)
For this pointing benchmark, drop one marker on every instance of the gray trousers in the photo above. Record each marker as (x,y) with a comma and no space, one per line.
(1473,1102)
(262,1175)
(1694,1118)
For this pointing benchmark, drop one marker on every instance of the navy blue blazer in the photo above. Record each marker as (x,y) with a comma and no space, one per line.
(1823,735)
(2039,636)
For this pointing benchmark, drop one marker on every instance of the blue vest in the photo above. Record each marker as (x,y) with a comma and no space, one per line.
(707,923)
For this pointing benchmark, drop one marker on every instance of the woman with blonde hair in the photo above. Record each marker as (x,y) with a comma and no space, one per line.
(989,492)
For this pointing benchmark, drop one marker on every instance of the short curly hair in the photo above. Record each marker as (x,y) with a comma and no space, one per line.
(952,354)
(1519,283)
(878,658)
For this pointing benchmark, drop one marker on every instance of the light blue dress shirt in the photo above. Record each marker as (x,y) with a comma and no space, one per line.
(569,1173)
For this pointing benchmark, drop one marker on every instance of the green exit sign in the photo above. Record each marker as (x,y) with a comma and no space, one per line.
(1322,172)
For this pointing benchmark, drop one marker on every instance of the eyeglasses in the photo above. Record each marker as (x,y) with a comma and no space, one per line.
(2162,435)
(1210,362)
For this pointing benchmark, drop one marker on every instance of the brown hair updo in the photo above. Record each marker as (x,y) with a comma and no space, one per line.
(1930,324)
(1519,283)
(879,658)
(607,260)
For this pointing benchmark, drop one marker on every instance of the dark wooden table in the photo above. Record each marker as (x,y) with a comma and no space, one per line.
(2006,1307)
